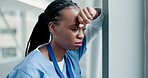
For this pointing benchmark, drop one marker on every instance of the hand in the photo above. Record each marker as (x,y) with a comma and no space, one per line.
(86,15)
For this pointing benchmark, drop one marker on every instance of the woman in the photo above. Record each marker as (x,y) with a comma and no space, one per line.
(58,41)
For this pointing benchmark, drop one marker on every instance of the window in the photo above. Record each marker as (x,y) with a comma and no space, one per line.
(7,53)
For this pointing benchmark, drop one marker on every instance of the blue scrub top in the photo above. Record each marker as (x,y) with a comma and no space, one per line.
(36,65)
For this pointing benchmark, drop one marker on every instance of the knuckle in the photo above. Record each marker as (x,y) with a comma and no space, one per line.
(89,17)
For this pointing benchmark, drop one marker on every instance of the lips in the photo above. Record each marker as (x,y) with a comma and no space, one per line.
(78,43)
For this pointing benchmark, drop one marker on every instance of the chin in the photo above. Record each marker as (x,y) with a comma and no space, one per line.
(75,48)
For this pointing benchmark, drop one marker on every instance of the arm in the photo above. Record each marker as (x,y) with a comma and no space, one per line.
(95,18)
(92,30)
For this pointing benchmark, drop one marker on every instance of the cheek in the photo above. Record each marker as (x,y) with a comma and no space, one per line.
(65,36)
(66,40)
(69,36)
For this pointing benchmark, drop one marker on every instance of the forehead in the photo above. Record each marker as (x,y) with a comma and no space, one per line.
(70,13)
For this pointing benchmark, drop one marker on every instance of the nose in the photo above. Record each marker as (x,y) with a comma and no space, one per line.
(80,35)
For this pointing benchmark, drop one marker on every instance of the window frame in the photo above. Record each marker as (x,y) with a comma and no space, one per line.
(145,38)
(105,40)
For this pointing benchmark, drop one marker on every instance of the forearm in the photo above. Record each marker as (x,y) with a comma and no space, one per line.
(95,27)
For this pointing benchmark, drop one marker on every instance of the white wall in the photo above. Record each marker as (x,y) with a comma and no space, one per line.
(126,46)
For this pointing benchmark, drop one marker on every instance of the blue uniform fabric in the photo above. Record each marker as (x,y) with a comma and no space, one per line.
(36,65)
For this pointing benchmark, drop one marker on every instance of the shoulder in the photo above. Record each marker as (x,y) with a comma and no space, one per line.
(33,65)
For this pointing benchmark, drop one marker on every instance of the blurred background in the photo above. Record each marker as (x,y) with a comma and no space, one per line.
(125,26)
(17,19)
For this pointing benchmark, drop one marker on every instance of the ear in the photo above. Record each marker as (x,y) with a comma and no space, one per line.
(51,27)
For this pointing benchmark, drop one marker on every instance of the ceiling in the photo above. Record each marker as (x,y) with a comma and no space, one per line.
(17,5)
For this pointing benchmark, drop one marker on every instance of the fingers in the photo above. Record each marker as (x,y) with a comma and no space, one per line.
(86,15)
(92,11)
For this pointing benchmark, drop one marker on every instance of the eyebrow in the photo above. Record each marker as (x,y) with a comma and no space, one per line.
(74,25)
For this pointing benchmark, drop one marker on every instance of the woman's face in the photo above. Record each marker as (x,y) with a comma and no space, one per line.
(68,34)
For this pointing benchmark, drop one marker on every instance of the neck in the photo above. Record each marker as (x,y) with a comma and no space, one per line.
(58,51)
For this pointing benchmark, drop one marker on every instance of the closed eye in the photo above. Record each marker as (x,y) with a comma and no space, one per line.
(75,29)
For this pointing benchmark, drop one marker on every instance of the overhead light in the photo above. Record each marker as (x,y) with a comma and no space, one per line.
(36,3)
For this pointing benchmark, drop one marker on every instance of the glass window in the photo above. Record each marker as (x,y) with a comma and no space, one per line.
(8,52)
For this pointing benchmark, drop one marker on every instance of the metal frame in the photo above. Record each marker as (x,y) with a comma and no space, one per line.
(145,39)
(105,41)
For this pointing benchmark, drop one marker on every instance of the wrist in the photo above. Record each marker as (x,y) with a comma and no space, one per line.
(98,12)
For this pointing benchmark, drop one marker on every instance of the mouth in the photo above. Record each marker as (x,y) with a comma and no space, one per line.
(78,44)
